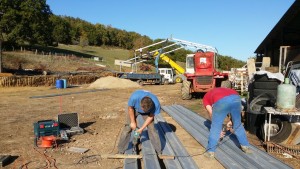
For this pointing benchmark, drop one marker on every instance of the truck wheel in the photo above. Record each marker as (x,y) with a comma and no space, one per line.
(185,90)
(140,82)
(279,131)
(226,84)
(166,82)
(178,80)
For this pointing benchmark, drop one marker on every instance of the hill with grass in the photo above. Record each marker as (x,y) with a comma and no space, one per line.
(64,58)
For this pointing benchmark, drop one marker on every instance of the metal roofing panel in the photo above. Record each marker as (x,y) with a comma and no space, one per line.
(197,125)
(185,160)
(149,155)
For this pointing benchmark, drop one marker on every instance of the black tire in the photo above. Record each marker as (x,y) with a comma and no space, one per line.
(265,85)
(263,78)
(140,82)
(226,84)
(178,80)
(185,90)
(257,92)
(166,82)
(280,130)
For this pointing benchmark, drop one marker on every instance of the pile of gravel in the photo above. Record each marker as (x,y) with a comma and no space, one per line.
(110,82)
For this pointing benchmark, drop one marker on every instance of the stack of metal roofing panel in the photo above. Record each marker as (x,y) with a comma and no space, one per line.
(228,152)
(170,146)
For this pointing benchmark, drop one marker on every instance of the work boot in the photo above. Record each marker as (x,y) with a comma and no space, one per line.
(210,155)
(246,149)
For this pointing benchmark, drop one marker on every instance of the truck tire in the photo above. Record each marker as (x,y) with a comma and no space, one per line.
(263,78)
(140,82)
(185,90)
(280,130)
(226,84)
(178,80)
(265,85)
(166,82)
(257,92)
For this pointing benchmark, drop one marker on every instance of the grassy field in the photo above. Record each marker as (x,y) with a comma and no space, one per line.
(64,57)
(71,58)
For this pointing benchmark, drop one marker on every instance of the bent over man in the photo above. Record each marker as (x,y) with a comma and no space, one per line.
(146,104)
(219,102)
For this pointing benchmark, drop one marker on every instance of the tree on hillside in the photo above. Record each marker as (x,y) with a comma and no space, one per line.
(26,21)
(84,41)
(227,62)
(61,30)
(140,41)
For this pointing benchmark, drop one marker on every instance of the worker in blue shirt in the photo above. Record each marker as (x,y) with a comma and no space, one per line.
(146,104)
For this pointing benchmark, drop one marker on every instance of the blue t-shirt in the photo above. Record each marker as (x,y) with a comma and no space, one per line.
(136,97)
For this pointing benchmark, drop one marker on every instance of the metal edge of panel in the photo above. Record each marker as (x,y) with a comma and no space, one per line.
(130,163)
(180,152)
(167,149)
(149,155)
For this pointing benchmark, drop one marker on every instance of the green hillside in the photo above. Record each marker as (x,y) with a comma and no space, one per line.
(64,58)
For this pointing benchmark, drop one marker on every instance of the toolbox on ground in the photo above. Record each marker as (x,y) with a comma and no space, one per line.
(70,123)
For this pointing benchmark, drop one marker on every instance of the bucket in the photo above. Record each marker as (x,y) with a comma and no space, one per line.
(64,83)
(47,141)
(59,84)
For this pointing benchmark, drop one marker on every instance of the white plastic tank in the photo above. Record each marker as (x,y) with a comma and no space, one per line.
(286,95)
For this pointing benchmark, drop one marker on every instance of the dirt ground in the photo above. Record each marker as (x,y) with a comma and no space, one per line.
(101,114)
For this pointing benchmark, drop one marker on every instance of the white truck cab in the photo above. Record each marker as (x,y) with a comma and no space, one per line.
(168,74)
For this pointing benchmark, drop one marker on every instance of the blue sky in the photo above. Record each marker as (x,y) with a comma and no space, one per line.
(234,27)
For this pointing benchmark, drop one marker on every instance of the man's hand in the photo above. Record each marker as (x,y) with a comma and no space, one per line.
(229,126)
(222,134)
(133,125)
(139,131)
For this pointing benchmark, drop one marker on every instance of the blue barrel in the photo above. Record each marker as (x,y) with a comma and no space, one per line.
(64,83)
(59,84)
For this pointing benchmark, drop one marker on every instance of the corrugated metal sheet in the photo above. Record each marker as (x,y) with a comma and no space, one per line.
(130,163)
(227,153)
(172,146)
(149,155)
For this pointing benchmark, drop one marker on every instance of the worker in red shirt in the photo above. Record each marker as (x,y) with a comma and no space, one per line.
(219,102)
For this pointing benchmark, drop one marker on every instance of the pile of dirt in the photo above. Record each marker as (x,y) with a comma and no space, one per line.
(110,82)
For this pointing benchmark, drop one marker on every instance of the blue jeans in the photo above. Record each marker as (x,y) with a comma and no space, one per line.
(229,104)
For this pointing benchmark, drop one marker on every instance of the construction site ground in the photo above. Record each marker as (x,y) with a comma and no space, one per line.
(101,115)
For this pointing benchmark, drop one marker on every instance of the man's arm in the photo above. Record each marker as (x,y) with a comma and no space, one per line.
(131,117)
(209,111)
(147,122)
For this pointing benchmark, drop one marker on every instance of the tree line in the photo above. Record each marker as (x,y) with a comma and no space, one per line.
(31,22)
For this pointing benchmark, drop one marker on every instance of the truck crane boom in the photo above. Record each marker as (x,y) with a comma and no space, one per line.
(178,69)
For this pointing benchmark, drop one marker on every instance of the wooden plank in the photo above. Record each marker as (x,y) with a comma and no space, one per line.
(166,157)
(251,67)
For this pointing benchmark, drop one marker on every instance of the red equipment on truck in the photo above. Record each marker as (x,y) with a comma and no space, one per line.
(205,76)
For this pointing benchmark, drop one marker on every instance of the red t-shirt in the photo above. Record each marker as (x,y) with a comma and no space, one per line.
(216,94)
